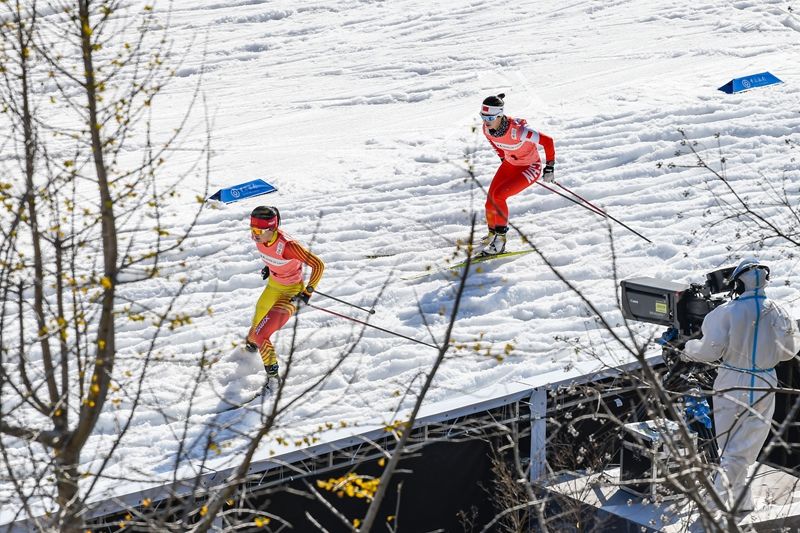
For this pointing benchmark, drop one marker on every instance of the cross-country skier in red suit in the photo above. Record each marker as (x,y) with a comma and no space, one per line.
(515,142)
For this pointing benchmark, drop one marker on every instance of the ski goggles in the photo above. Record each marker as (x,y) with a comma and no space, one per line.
(489,118)
(259,231)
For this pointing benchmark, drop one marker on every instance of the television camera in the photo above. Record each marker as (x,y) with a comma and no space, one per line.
(681,307)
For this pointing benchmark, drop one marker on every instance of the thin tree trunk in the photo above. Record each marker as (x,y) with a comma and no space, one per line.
(23,41)
(386,477)
(105,347)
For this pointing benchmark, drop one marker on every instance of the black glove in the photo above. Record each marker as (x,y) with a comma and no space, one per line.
(304,295)
(548,176)
(265,272)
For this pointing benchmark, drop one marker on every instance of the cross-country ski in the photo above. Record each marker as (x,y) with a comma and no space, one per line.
(453,270)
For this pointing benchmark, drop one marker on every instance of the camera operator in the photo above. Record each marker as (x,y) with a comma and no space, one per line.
(750,334)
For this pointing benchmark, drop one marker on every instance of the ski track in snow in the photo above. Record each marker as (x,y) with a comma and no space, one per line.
(360,113)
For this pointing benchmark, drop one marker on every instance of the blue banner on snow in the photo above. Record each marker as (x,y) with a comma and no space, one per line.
(737,85)
(242,191)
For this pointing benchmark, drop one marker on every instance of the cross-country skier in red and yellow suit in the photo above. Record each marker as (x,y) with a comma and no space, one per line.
(515,143)
(284,259)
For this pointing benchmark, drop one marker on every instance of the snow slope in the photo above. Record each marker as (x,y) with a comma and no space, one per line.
(361,113)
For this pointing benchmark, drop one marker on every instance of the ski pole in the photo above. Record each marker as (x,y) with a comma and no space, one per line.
(370,325)
(593,208)
(584,200)
(370,311)
(574,201)
(587,202)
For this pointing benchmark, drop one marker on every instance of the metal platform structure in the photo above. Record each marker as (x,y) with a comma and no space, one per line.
(525,405)
(776,495)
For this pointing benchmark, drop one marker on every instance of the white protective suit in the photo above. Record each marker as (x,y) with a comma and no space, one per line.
(751,335)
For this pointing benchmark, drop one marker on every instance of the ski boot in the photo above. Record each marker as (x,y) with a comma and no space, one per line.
(497,245)
(270,359)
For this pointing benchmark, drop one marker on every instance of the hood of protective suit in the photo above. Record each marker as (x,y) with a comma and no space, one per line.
(755,278)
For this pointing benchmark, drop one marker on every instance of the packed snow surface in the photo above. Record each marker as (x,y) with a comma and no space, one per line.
(364,115)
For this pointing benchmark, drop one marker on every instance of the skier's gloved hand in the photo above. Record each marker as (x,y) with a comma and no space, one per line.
(304,295)
(265,272)
(548,176)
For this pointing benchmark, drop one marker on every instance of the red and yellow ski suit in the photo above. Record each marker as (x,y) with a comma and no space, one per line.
(285,258)
(520,167)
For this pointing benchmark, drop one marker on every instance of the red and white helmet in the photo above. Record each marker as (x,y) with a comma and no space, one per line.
(492,106)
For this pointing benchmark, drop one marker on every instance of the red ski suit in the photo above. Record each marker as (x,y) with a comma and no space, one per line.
(520,167)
